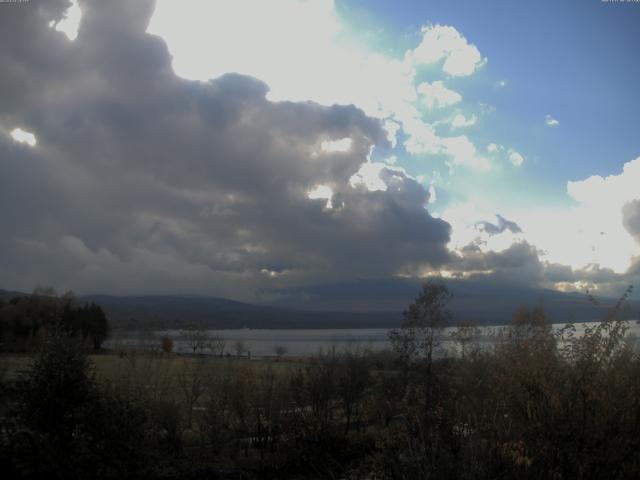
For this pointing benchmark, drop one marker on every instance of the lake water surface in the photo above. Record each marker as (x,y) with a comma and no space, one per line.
(305,342)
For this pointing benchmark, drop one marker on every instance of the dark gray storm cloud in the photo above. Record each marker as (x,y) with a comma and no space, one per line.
(497,228)
(631,218)
(144,182)
(518,264)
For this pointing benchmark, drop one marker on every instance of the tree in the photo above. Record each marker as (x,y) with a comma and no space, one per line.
(29,318)
(465,335)
(280,351)
(353,378)
(81,429)
(423,322)
(196,339)
(97,325)
(239,347)
(60,382)
(529,340)
(89,321)
(416,341)
(217,344)
(191,380)
(167,344)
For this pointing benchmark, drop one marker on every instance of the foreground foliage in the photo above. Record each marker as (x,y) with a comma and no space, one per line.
(25,321)
(533,404)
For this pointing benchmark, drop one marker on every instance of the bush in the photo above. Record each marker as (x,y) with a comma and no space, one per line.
(80,429)
(167,344)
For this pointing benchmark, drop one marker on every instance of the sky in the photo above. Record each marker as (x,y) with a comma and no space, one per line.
(283,151)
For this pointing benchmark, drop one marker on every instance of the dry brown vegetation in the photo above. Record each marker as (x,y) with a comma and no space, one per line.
(538,404)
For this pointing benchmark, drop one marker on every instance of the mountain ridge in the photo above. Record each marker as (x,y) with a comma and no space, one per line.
(183,311)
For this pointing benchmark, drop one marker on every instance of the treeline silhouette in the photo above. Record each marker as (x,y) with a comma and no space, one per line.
(534,403)
(25,321)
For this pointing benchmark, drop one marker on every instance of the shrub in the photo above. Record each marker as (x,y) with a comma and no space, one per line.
(167,344)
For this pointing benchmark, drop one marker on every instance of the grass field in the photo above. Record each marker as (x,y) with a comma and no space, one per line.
(159,374)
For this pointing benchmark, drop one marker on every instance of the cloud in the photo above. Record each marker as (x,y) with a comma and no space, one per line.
(292,57)
(519,263)
(440,42)
(146,182)
(369,176)
(486,109)
(433,197)
(342,145)
(422,138)
(598,230)
(470,227)
(612,191)
(515,158)
(464,153)
(631,218)
(550,121)
(70,21)
(502,225)
(384,87)
(22,136)
(436,95)
(494,148)
(460,121)
(322,192)
(392,129)
(594,244)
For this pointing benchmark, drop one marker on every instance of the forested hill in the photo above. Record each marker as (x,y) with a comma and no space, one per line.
(481,306)
(179,311)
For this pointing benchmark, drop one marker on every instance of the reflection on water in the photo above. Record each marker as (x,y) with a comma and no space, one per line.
(302,342)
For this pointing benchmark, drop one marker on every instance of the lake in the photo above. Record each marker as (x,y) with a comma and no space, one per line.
(303,342)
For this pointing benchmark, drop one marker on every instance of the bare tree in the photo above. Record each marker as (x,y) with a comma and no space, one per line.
(196,339)
(353,378)
(465,335)
(280,351)
(192,384)
(239,347)
(217,344)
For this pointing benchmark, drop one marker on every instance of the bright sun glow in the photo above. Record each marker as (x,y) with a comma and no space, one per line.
(22,136)
(70,22)
(369,177)
(312,58)
(323,192)
(592,232)
(332,146)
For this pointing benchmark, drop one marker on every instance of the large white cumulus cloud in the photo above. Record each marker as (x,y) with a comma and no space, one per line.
(594,244)
(444,43)
(304,52)
(599,229)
